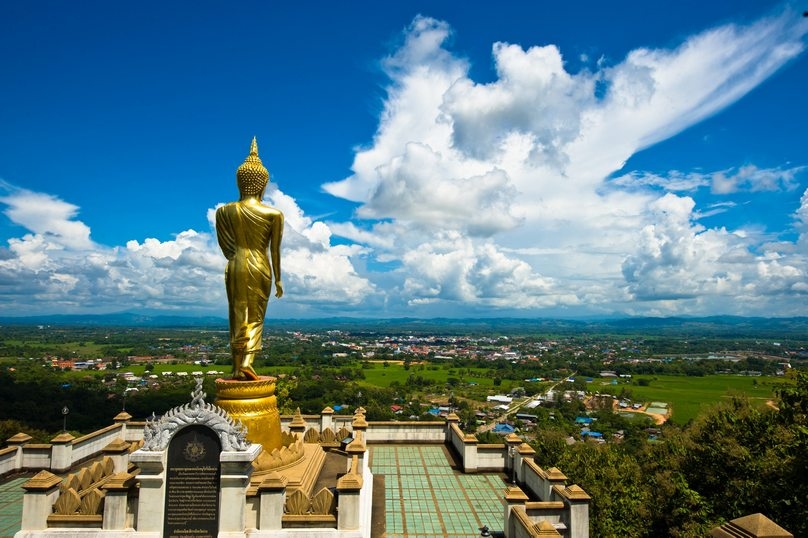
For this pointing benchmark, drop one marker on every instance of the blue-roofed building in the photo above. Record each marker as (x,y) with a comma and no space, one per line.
(504,429)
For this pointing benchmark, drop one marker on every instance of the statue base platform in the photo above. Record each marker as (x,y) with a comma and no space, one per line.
(255,405)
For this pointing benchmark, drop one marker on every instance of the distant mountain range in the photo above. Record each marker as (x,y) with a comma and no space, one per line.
(120,319)
(723,326)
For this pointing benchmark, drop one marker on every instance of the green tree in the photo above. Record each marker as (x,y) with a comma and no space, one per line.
(744,458)
(678,510)
(550,444)
(620,503)
(10,428)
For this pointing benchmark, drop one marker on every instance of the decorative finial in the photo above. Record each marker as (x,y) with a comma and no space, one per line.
(254,147)
(198,395)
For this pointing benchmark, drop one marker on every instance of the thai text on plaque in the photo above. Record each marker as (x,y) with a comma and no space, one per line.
(192,484)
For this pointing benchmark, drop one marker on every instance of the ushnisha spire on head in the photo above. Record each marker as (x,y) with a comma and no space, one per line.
(251,176)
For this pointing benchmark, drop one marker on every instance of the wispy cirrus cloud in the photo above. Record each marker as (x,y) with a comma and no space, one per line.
(746,178)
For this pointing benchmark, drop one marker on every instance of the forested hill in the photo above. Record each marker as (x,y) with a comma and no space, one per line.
(716,326)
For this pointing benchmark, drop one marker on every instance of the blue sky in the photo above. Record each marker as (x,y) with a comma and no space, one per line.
(519,159)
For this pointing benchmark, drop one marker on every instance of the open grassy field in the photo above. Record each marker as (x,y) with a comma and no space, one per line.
(379,375)
(81,349)
(688,396)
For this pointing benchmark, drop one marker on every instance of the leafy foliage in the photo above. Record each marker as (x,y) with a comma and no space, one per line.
(620,507)
(734,460)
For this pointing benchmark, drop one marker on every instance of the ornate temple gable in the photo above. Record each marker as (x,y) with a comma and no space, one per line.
(232,434)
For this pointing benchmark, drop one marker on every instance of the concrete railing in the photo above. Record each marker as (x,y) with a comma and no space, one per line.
(378,431)
(134,431)
(491,457)
(560,508)
(36,456)
(62,454)
(8,460)
(539,482)
(522,526)
(545,505)
(87,446)
(406,432)
(326,420)
(473,455)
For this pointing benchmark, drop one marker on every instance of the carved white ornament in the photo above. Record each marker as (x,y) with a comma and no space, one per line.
(232,434)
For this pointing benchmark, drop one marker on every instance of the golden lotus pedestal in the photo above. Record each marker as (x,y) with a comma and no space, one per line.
(254,404)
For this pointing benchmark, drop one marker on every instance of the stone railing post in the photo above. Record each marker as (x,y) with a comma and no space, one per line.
(756,525)
(116,493)
(41,491)
(524,452)
(272,491)
(513,497)
(349,487)
(152,478)
(298,424)
(359,424)
(470,453)
(451,418)
(512,457)
(118,452)
(19,440)
(556,478)
(62,452)
(548,480)
(123,419)
(326,419)
(236,471)
(357,448)
(577,503)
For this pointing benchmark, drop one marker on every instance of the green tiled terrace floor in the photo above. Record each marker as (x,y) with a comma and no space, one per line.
(425,498)
(11,506)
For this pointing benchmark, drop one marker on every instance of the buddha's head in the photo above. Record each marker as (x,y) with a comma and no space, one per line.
(251,176)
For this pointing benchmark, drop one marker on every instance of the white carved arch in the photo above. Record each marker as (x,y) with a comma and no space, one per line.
(232,435)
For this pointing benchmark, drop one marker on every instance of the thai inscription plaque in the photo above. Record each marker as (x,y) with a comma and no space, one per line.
(192,484)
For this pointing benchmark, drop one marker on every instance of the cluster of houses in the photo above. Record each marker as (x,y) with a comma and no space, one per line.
(72,364)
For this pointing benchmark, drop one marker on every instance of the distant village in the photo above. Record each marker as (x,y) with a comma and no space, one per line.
(611,353)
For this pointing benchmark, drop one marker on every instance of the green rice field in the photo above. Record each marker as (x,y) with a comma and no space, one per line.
(379,375)
(688,396)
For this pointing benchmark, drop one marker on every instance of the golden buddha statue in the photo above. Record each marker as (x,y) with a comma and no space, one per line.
(246,230)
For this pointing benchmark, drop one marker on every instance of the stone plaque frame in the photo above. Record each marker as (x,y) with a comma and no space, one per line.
(233,461)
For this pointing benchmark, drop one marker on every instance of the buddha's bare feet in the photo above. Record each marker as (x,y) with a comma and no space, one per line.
(248,373)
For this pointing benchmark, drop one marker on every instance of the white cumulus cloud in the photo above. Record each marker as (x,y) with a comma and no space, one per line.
(56,268)
(45,215)
(498,194)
